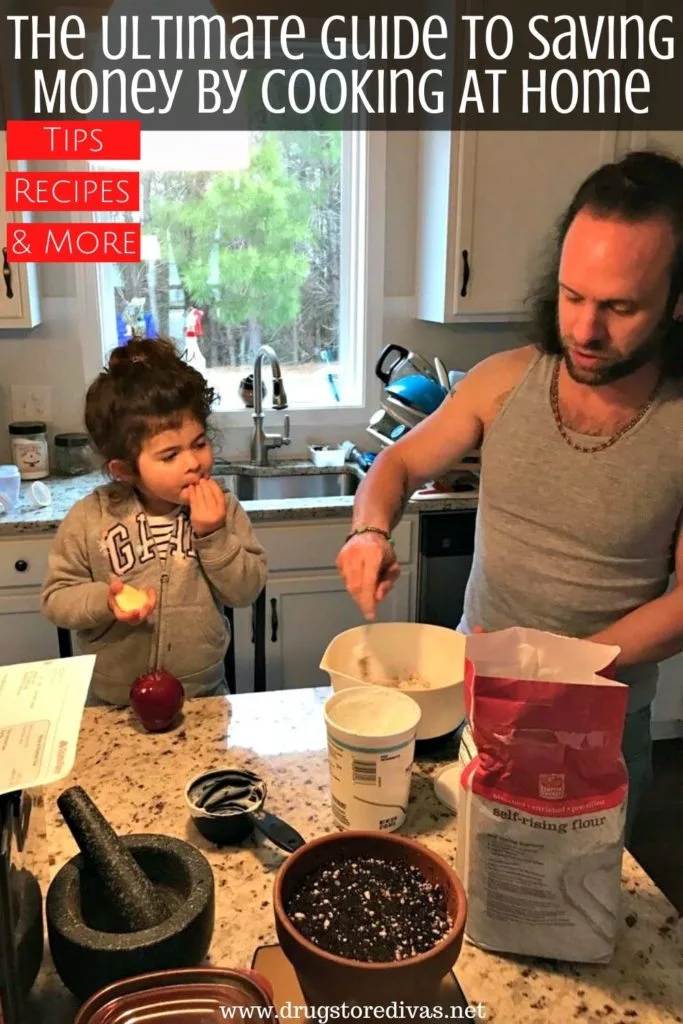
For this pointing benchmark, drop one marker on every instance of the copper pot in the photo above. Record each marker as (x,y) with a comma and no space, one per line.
(330,980)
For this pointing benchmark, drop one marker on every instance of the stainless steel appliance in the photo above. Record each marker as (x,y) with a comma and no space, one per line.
(396,362)
(446,549)
(413,389)
(24,879)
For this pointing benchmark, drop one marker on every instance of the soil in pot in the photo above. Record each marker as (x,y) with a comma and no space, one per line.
(369,909)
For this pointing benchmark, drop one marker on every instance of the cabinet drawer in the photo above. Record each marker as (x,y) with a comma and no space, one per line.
(31,553)
(314,545)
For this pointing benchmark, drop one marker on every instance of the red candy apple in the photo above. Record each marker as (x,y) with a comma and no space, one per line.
(156,698)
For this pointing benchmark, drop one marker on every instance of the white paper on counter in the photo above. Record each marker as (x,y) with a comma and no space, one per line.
(521,653)
(41,707)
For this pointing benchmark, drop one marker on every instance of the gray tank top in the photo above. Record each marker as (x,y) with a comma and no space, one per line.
(570,541)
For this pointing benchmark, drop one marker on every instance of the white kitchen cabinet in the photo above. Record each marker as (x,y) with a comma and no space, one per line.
(307,604)
(303,614)
(21,308)
(25,635)
(488,203)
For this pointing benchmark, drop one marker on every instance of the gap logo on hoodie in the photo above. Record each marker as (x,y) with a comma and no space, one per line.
(125,551)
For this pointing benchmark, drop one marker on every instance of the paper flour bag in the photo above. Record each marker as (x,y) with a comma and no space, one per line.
(542,801)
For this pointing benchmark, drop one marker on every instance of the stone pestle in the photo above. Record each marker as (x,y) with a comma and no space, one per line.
(131,895)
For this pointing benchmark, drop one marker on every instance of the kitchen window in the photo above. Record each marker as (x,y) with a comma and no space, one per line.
(254,238)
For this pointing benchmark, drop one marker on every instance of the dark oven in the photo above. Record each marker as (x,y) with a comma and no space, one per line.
(446,549)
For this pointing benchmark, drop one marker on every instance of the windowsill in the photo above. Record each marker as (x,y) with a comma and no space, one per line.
(301,413)
(323,426)
(308,425)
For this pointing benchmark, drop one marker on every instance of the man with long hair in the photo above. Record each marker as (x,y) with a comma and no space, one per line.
(581,435)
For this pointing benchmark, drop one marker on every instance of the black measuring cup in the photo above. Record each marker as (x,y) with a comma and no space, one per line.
(226,805)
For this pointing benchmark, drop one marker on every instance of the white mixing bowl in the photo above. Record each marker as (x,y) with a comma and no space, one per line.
(434,653)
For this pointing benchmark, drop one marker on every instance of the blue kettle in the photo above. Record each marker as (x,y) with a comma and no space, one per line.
(418,392)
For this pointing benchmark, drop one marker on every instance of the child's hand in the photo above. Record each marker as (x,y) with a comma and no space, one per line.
(207,507)
(133,618)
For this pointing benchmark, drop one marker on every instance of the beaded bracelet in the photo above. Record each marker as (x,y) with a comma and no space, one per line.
(370,529)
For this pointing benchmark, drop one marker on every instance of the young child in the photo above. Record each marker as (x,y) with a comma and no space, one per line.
(162,525)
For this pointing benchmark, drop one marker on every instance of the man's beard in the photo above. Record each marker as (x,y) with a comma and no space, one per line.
(615,367)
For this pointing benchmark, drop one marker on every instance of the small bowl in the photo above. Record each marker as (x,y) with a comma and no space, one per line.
(326,455)
(224,828)
(232,826)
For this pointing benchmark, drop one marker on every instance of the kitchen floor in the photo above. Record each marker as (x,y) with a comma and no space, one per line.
(657,842)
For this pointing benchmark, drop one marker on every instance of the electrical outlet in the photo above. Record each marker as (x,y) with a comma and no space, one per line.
(31,402)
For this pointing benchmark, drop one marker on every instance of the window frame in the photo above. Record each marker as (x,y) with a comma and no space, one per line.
(362,282)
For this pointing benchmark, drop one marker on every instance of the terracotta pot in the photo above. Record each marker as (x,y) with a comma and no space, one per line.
(330,980)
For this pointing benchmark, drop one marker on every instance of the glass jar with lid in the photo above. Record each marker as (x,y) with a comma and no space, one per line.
(29,448)
(73,454)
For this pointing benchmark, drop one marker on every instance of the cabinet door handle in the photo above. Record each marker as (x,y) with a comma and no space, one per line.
(21,565)
(465,273)
(273,620)
(7,274)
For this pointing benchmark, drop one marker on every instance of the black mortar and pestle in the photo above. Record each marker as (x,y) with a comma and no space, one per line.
(126,904)
(226,805)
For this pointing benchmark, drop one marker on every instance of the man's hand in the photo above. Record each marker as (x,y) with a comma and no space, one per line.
(367,563)
(207,507)
(133,618)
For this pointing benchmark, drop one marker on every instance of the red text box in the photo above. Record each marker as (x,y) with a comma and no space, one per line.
(72,191)
(74,243)
(73,140)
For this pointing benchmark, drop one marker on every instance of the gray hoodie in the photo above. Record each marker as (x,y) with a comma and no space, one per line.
(187,633)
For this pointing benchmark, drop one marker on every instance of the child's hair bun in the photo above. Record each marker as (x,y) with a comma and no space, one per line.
(152,353)
(146,386)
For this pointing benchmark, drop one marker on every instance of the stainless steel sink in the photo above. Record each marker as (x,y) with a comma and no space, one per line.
(248,484)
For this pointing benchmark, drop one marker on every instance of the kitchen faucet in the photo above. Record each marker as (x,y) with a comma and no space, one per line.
(260,441)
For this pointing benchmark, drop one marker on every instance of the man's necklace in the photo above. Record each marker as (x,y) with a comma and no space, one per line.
(555,405)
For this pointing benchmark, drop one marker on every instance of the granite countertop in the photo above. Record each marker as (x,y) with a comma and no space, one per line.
(66,491)
(137,780)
